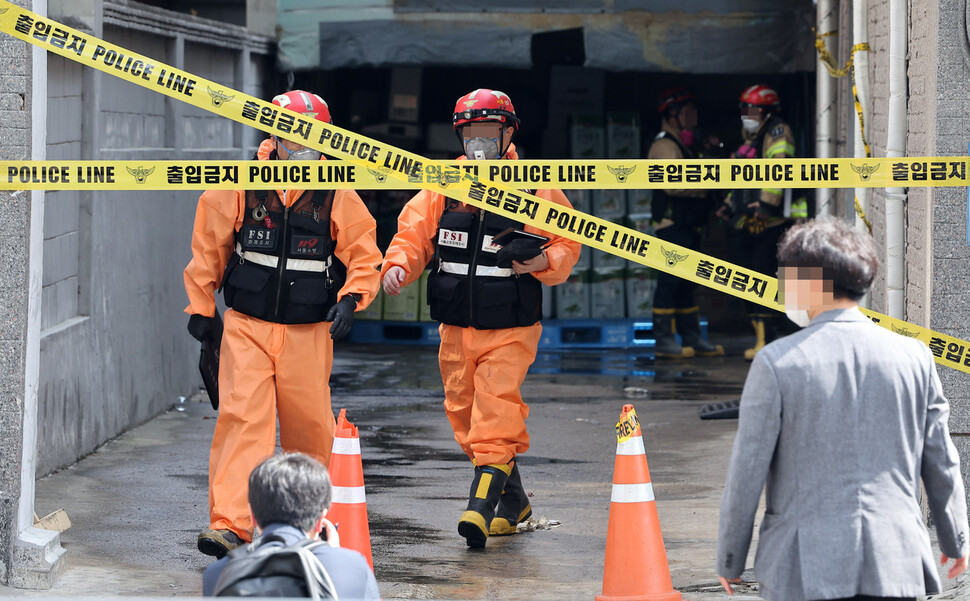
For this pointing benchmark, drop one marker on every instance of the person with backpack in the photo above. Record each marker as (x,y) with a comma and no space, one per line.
(293,266)
(289,496)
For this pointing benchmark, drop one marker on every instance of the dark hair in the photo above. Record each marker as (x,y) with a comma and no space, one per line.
(290,488)
(847,255)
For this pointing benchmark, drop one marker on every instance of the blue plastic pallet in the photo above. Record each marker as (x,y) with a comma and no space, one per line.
(557,334)
(418,333)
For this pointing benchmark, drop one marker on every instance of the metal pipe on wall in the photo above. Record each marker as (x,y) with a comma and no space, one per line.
(860,36)
(896,147)
(826,99)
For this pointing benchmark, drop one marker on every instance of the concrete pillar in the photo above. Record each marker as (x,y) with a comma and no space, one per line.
(29,557)
(242,136)
(88,15)
(175,109)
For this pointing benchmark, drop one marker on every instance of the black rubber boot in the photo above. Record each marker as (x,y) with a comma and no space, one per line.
(689,326)
(218,542)
(667,346)
(482,498)
(513,506)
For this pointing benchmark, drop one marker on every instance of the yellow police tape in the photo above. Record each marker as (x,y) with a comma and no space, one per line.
(633,174)
(628,425)
(367,153)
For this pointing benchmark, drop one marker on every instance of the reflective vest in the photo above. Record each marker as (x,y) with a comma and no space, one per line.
(466,288)
(284,269)
(740,199)
(684,211)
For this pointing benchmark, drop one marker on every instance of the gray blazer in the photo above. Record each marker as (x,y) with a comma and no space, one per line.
(840,420)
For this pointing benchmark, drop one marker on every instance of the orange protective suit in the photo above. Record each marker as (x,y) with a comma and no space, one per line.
(269,370)
(482,370)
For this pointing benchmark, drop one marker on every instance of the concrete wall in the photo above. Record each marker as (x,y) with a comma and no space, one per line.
(114,350)
(936,251)
(949,291)
(937,266)
(876,132)
(15,121)
(921,141)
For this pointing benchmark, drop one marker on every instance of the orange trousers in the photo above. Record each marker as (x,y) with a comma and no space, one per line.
(482,371)
(266,370)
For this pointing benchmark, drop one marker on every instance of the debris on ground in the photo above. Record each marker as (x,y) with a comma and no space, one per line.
(543,523)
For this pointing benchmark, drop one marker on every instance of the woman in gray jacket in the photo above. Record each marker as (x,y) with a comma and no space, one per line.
(840,421)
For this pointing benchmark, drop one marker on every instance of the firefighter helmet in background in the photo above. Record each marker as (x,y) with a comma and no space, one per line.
(484,105)
(305,103)
(672,99)
(762,97)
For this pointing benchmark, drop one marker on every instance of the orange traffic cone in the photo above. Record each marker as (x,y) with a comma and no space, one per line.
(636,563)
(348,511)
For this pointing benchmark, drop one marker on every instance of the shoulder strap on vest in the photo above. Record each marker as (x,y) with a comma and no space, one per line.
(684,150)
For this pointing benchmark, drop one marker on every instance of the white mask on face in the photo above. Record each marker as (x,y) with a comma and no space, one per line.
(750,124)
(304,154)
(478,149)
(799,316)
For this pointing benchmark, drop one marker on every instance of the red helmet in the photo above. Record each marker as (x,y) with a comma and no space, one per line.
(484,105)
(760,96)
(673,98)
(305,103)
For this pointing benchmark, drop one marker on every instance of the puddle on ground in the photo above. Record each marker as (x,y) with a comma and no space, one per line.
(409,376)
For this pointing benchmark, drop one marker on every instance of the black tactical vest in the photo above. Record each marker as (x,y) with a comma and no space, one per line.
(284,269)
(466,288)
(684,212)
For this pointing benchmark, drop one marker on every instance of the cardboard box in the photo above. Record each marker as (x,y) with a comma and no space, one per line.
(587,137)
(604,260)
(424,309)
(582,200)
(585,261)
(609,204)
(403,307)
(572,297)
(375,310)
(607,294)
(641,223)
(639,202)
(623,135)
(641,282)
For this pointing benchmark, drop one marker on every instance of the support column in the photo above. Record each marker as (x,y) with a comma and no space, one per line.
(29,557)
(175,109)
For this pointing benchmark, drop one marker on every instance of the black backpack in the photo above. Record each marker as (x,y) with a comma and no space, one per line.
(262,569)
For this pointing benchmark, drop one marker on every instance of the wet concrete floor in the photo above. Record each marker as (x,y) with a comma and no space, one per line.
(138,503)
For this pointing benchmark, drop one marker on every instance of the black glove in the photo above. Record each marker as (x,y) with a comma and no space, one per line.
(519,250)
(200,326)
(342,316)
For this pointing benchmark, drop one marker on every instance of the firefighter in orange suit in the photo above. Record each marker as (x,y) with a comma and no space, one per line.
(293,266)
(489,302)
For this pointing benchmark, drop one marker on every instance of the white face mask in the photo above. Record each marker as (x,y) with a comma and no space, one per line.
(750,124)
(304,154)
(799,316)
(478,149)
